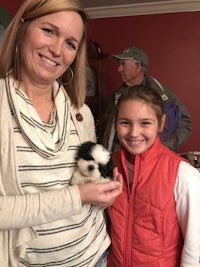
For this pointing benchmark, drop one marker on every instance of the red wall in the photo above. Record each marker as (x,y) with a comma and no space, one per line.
(172,42)
(11,6)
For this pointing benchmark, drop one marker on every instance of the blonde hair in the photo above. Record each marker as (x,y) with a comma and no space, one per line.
(10,47)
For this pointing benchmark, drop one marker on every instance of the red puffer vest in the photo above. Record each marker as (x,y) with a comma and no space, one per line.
(144,229)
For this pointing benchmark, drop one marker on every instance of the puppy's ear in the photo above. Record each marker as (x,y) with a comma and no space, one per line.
(110,167)
(106,170)
(85,150)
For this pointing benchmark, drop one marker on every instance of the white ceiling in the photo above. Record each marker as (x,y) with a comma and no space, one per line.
(119,8)
(100,3)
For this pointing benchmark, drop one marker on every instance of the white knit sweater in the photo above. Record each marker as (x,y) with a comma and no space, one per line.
(19,213)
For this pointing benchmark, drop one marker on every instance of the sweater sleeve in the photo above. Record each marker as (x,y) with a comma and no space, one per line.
(30,210)
(90,124)
(187,197)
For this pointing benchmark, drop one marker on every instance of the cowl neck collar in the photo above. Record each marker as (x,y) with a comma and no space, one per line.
(48,145)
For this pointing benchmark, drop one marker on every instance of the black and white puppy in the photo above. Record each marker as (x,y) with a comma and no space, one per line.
(94,164)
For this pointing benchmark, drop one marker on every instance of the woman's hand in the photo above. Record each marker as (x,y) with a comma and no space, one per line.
(102,194)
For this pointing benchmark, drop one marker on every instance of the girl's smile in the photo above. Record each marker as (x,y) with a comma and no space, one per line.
(137,126)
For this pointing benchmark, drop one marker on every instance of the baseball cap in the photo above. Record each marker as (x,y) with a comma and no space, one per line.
(133,52)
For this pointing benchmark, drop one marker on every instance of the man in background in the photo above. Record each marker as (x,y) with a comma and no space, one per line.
(133,64)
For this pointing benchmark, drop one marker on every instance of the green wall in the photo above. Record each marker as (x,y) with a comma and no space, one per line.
(5,18)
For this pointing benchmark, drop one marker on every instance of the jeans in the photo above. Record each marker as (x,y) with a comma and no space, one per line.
(102,262)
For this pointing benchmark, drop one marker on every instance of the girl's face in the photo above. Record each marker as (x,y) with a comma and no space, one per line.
(137,126)
(50,45)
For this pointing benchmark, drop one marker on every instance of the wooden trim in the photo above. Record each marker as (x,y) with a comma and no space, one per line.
(169,6)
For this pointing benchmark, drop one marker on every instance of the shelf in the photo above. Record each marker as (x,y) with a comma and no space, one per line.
(97,102)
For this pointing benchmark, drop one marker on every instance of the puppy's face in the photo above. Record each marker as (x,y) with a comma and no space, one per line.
(89,168)
(94,160)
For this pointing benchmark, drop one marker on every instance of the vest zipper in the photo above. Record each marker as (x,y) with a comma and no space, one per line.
(128,235)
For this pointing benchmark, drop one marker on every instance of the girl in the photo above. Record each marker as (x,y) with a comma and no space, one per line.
(155,221)
(44,220)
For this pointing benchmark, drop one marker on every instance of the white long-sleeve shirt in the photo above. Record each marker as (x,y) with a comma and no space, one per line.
(187,198)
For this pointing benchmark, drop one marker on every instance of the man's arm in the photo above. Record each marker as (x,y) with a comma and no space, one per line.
(185,129)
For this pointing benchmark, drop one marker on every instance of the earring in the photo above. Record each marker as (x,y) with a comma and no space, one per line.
(72,76)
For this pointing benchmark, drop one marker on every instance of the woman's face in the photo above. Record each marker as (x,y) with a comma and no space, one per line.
(137,126)
(50,46)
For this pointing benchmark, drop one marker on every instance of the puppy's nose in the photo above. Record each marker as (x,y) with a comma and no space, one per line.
(90,168)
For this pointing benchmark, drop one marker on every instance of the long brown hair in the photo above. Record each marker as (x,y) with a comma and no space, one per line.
(145,94)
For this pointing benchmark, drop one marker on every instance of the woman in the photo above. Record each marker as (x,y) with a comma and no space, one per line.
(45,221)
(155,221)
